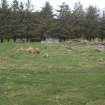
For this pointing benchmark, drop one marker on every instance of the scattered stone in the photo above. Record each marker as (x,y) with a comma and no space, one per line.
(45,55)
(20,49)
(100,48)
(50,40)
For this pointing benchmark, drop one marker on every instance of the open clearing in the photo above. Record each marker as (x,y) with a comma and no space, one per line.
(66,77)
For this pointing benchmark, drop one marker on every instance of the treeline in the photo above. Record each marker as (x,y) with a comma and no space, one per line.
(20,21)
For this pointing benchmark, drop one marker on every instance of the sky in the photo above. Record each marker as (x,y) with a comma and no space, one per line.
(55,3)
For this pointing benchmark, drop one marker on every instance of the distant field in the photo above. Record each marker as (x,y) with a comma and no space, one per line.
(71,75)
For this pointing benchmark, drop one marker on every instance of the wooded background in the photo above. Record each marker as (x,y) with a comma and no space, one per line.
(21,21)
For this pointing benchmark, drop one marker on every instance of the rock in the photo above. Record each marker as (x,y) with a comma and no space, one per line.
(45,55)
(100,48)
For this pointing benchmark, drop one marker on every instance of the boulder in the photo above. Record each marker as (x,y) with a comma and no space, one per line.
(100,48)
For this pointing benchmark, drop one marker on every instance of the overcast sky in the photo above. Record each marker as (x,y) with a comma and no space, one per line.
(55,3)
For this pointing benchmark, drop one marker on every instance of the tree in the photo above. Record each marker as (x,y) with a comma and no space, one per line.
(4,4)
(15,5)
(28,23)
(21,7)
(15,20)
(78,21)
(4,14)
(46,18)
(64,19)
(101,27)
(28,5)
(91,23)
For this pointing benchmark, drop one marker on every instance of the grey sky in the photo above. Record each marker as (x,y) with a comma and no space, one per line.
(55,3)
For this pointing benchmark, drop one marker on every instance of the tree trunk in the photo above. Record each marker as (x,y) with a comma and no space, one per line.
(14,39)
(2,40)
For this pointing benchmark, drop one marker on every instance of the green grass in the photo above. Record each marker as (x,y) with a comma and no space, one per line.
(75,77)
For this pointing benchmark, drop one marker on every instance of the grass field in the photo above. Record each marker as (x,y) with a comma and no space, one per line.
(74,77)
